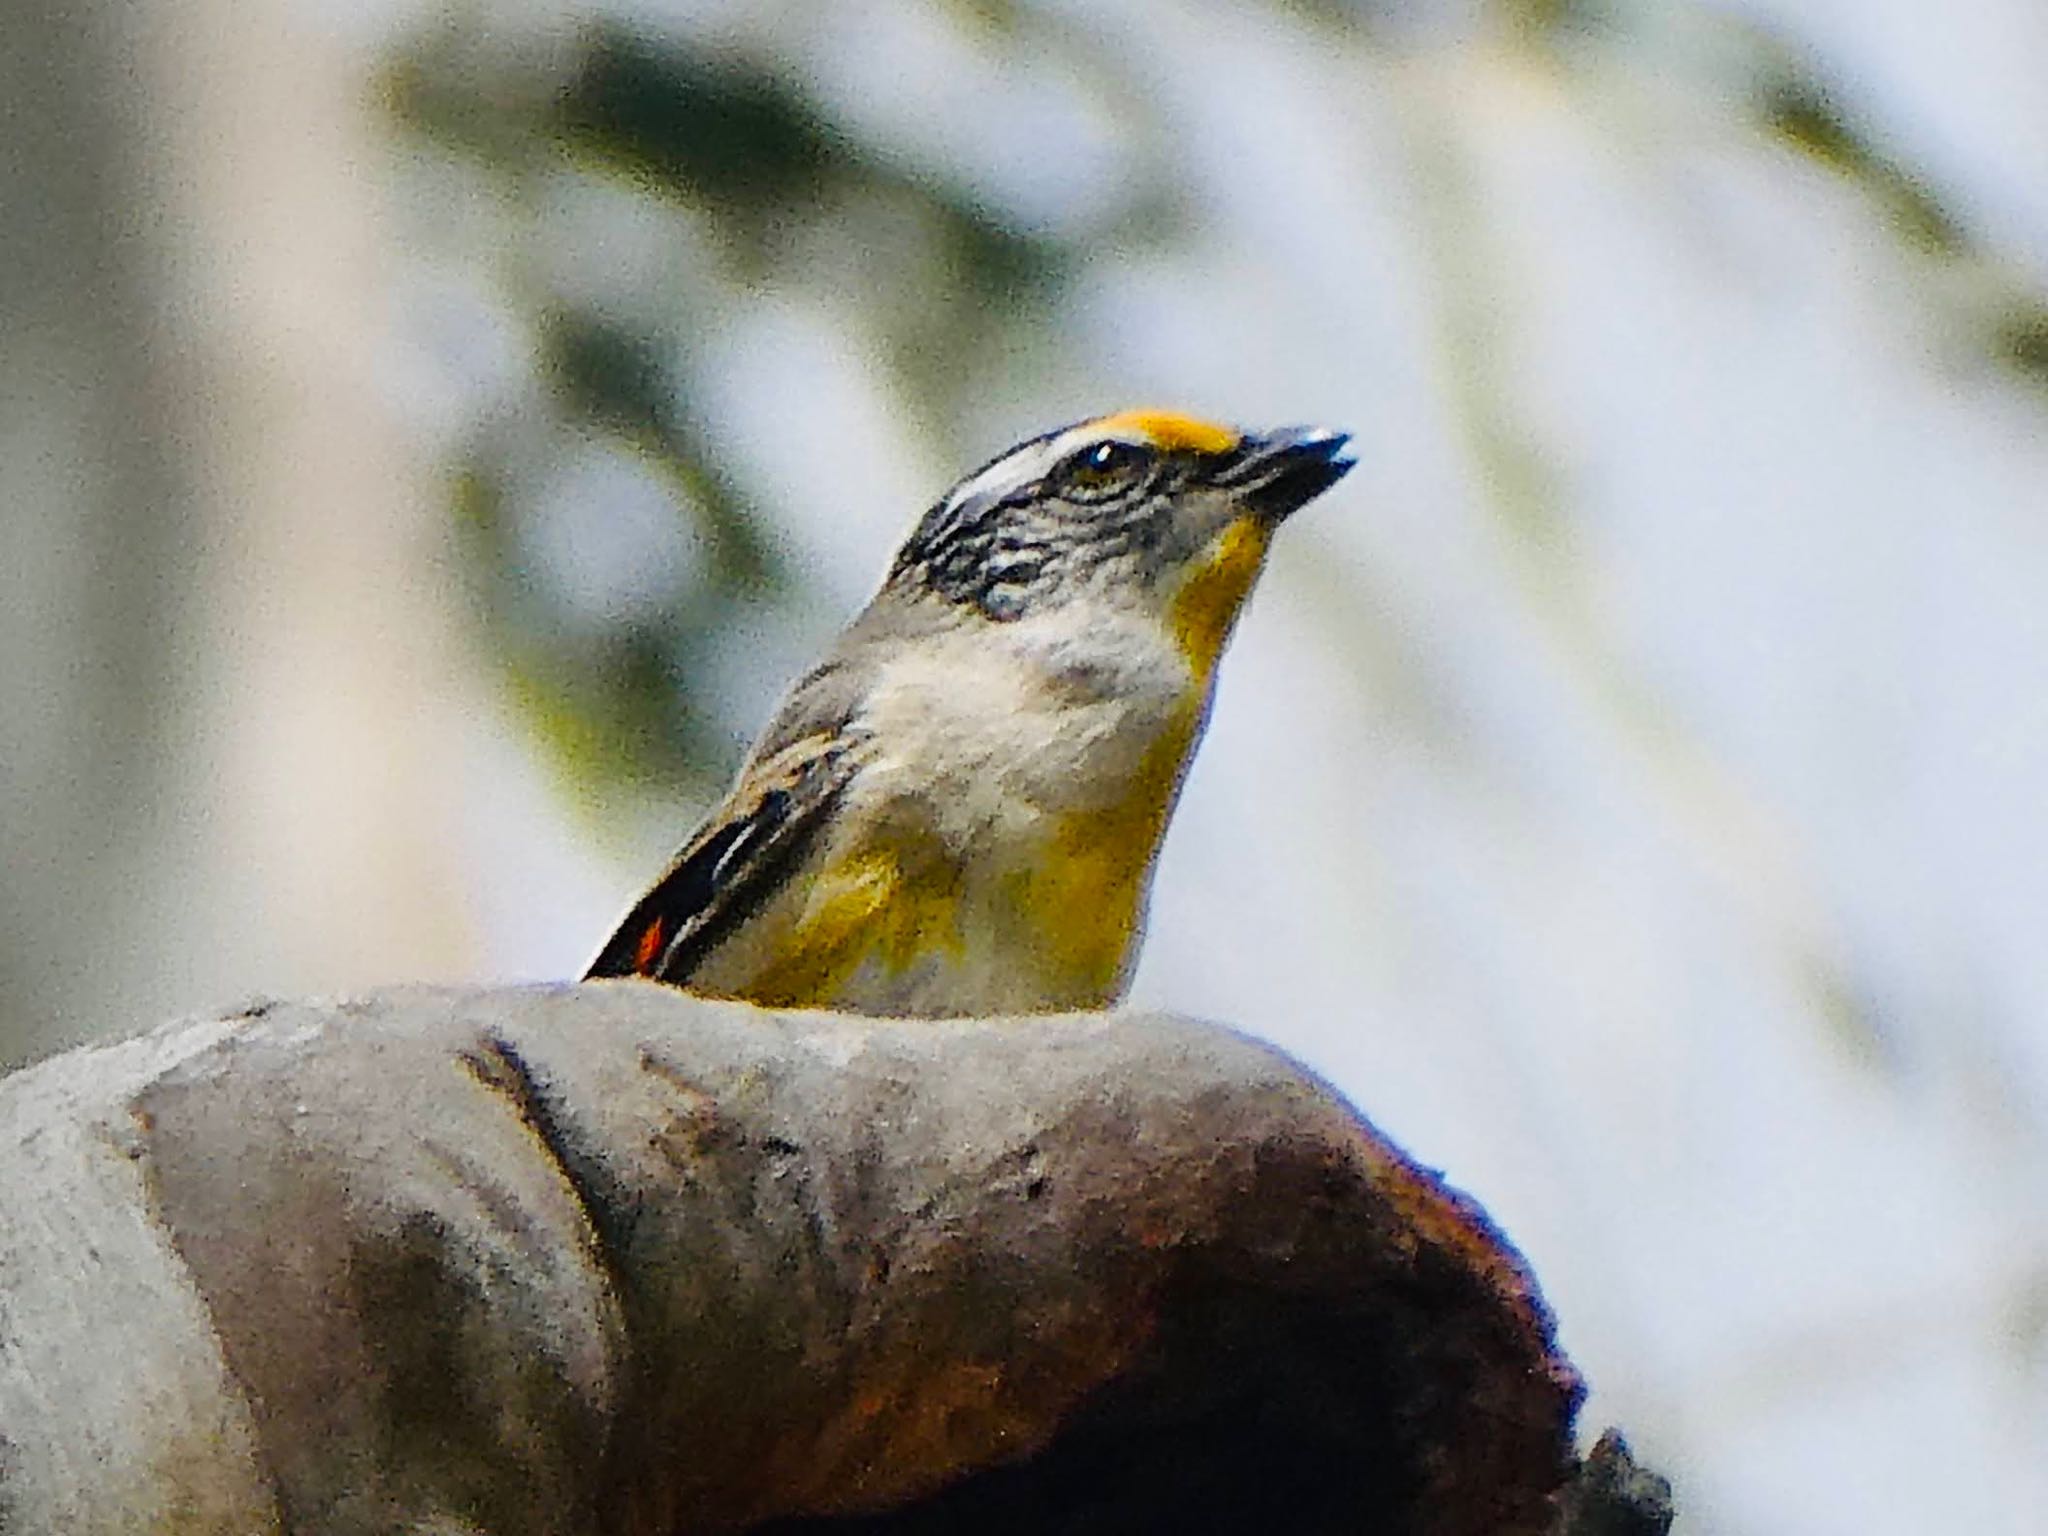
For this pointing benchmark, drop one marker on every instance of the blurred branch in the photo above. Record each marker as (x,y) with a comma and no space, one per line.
(228,667)
(1794,95)
(2007,312)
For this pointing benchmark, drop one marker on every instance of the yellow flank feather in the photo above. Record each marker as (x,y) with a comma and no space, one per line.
(1213,592)
(1171,430)
(1068,906)
(1082,897)
(871,905)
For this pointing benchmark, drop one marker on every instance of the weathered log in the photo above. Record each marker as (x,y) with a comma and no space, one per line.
(612,1259)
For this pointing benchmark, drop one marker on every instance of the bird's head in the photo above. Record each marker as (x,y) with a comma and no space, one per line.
(1143,509)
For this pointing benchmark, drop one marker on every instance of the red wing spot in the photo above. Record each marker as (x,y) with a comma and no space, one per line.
(648,950)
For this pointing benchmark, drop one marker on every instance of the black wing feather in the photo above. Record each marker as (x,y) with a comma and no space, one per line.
(730,866)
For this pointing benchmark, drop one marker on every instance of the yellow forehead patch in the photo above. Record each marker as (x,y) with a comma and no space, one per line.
(1170,430)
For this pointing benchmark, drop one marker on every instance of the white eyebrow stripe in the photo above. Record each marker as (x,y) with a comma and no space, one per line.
(1007,474)
(1087,432)
(991,481)
(1034,460)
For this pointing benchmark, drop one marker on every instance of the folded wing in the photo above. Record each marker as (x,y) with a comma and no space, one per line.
(734,861)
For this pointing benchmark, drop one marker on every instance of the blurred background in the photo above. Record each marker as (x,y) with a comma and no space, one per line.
(431,433)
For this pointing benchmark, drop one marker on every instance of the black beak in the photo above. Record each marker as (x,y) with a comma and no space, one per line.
(1276,473)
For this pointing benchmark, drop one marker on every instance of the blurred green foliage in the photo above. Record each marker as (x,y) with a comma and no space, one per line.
(749,156)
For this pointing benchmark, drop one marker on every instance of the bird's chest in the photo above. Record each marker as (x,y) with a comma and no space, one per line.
(994,856)
(1039,910)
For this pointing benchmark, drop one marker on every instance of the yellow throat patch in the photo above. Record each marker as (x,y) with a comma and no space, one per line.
(1213,592)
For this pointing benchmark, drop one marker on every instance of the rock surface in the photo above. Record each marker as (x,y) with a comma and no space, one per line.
(609,1258)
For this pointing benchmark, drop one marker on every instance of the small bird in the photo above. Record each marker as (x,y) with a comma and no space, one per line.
(958,811)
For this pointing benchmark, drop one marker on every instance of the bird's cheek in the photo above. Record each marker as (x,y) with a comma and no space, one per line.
(1212,587)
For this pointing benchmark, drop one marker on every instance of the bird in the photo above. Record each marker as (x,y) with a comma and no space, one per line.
(959,810)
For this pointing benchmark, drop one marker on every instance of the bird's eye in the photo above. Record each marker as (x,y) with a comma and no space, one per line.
(1105,469)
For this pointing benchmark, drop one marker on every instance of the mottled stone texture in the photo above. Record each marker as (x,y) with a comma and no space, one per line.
(611,1259)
